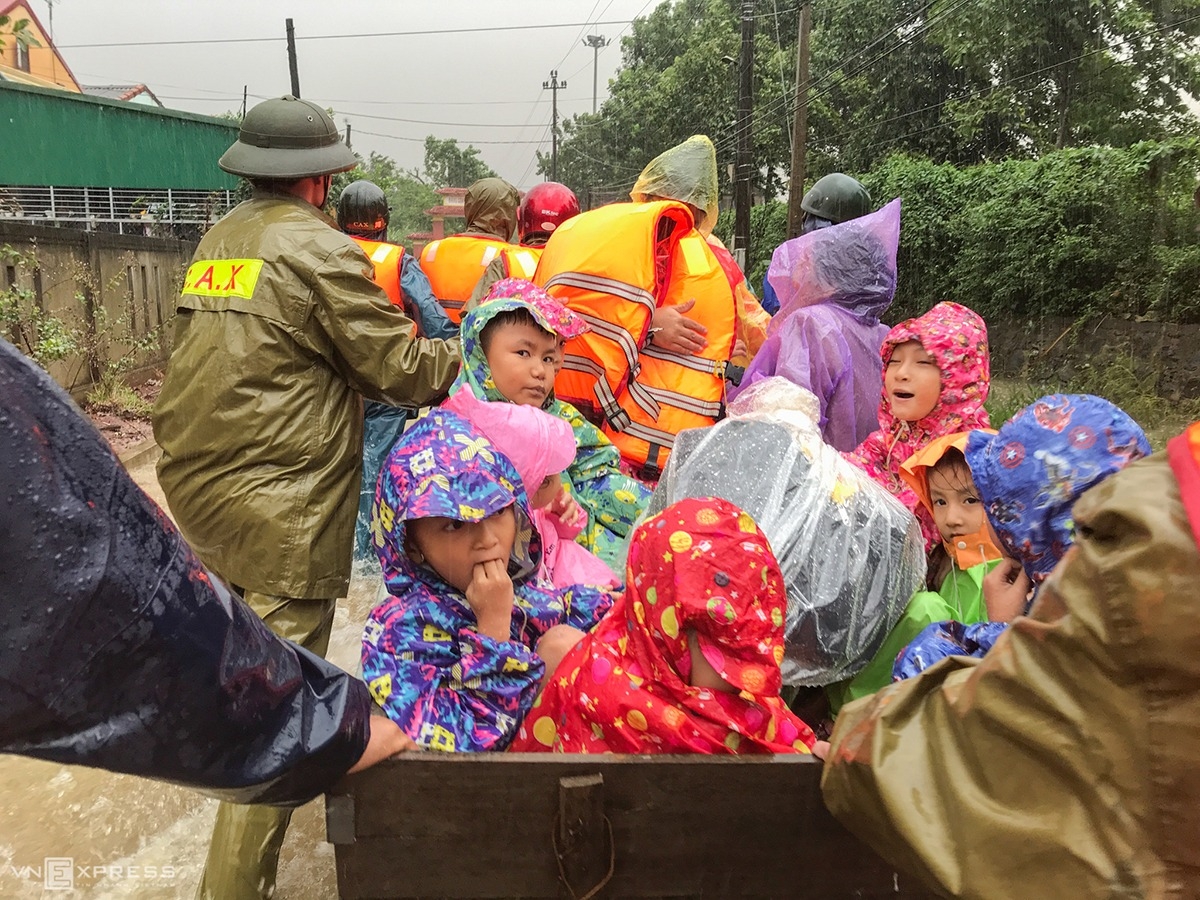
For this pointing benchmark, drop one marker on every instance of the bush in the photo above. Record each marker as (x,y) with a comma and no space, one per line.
(1077,232)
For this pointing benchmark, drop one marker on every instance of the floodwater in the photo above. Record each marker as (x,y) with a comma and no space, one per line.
(119,836)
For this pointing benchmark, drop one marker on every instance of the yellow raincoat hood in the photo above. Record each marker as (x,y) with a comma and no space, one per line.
(687,173)
(968,550)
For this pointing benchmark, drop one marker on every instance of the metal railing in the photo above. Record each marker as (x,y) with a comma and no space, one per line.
(154,212)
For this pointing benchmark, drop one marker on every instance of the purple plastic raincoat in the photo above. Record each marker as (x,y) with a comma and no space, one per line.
(833,285)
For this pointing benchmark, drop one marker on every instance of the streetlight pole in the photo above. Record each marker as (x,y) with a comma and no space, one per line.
(596,42)
(554,86)
(744,158)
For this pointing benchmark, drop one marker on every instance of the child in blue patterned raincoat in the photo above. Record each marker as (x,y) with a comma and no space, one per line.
(1029,476)
(456,653)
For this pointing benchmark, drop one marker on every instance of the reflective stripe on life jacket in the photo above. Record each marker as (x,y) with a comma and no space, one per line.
(387,259)
(454,266)
(610,266)
(521,262)
(674,391)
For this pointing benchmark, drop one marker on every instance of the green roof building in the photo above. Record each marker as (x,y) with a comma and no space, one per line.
(83,161)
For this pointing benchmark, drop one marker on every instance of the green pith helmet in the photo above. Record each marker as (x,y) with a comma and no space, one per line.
(838,198)
(287,139)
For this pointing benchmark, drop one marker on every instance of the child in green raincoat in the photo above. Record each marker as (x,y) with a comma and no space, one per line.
(940,477)
(512,349)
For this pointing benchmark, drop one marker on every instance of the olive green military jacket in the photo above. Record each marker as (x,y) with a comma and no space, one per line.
(1066,762)
(280,329)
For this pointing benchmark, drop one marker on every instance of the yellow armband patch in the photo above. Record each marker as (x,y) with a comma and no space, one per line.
(223,277)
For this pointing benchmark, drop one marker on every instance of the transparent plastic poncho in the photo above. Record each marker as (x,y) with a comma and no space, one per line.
(851,554)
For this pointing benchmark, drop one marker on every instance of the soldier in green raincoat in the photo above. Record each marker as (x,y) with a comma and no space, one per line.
(281,331)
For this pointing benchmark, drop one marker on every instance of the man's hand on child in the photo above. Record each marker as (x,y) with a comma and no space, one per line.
(1006,591)
(677,333)
(490,595)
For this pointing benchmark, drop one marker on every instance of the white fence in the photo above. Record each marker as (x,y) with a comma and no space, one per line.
(152,213)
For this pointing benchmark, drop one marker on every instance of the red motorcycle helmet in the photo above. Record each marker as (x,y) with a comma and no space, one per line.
(544,208)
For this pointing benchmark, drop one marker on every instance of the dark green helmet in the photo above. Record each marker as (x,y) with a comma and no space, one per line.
(362,210)
(837,198)
(287,139)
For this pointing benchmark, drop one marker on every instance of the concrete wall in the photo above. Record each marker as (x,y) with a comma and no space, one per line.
(1162,356)
(110,289)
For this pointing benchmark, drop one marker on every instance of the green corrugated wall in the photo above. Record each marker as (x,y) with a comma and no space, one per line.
(58,138)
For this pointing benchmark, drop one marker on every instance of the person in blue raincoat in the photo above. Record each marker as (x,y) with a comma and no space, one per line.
(122,652)
(363,215)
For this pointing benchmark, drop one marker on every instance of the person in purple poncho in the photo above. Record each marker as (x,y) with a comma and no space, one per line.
(833,285)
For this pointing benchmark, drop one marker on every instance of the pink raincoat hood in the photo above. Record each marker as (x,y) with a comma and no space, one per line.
(956,338)
(535,442)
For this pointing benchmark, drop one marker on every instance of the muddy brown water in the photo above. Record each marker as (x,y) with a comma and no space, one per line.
(120,836)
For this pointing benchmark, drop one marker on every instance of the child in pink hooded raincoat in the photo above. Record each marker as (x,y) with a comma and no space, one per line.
(954,339)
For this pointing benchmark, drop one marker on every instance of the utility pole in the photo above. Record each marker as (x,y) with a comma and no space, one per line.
(799,125)
(554,86)
(596,42)
(348,147)
(292,67)
(744,163)
(245,94)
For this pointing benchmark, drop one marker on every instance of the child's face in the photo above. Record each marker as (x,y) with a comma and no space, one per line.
(522,359)
(549,489)
(956,507)
(913,382)
(453,549)
(703,674)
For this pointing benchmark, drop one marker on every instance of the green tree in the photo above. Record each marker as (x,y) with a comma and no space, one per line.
(1073,72)
(957,81)
(678,77)
(449,165)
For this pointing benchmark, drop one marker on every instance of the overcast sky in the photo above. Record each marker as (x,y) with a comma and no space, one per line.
(488,84)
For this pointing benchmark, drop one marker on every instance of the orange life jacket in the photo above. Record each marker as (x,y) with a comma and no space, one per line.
(387,259)
(604,265)
(454,266)
(614,266)
(674,391)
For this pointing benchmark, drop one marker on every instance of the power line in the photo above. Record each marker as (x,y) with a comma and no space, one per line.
(571,46)
(421,140)
(908,39)
(336,37)
(434,102)
(351,113)
(533,159)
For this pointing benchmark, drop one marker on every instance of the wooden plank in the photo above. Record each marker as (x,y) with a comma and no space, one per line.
(583,846)
(482,826)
